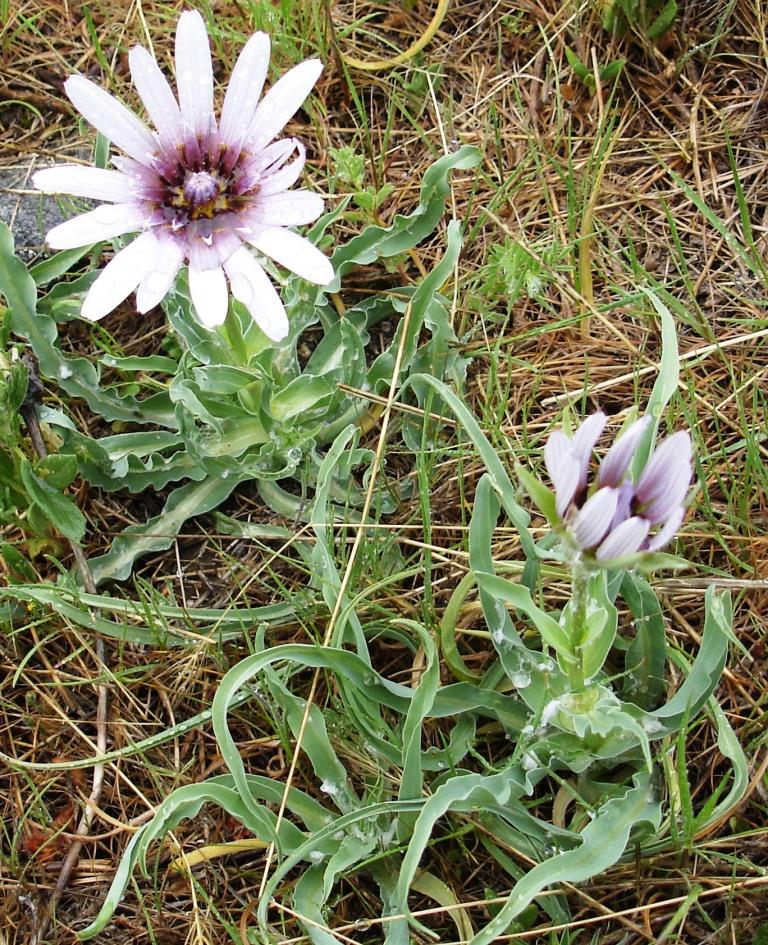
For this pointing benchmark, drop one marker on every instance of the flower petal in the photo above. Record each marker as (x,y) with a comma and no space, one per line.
(676,486)
(211,242)
(157,282)
(159,100)
(296,254)
(562,468)
(111,118)
(667,533)
(269,159)
(625,539)
(282,102)
(243,91)
(255,168)
(594,518)
(286,177)
(616,462)
(625,494)
(208,289)
(194,75)
(251,286)
(120,277)
(93,183)
(287,209)
(102,223)
(670,460)
(583,443)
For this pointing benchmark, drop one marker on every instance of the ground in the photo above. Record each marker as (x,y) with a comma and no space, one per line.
(595,183)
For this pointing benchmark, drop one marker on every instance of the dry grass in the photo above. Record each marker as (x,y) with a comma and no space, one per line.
(611,183)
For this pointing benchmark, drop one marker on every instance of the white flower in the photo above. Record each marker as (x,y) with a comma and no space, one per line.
(196,192)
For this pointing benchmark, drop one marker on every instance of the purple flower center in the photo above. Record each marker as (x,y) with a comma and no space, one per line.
(201,187)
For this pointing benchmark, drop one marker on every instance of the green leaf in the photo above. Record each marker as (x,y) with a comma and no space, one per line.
(411,782)
(708,666)
(600,632)
(57,469)
(434,888)
(577,65)
(77,376)
(611,71)
(150,363)
(57,508)
(552,634)
(184,804)
(603,841)
(406,231)
(729,747)
(300,395)
(663,21)
(645,657)
(153,625)
(543,497)
(57,265)
(14,389)
(666,383)
(159,532)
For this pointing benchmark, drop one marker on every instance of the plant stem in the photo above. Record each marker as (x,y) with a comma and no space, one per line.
(579,598)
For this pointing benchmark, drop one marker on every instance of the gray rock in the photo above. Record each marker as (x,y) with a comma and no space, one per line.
(30,214)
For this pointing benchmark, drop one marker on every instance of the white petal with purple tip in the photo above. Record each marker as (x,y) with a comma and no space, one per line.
(93,183)
(675,451)
(103,223)
(159,100)
(208,288)
(269,159)
(251,286)
(296,254)
(594,518)
(194,74)
(557,455)
(566,491)
(282,102)
(562,468)
(583,442)
(625,539)
(625,494)
(676,484)
(111,118)
(614,466)
(120,277)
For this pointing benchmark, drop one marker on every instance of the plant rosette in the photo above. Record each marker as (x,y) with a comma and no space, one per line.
(230,397)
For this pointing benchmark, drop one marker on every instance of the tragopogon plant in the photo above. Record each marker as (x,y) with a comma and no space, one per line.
(252,387)
(576,694)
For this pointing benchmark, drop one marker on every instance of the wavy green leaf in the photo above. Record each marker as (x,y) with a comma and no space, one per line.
(158,534)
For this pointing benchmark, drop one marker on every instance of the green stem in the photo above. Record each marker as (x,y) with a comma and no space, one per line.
(579,598)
